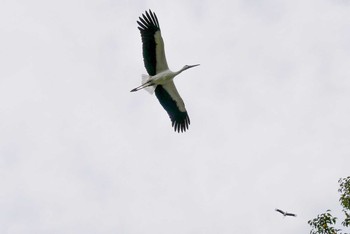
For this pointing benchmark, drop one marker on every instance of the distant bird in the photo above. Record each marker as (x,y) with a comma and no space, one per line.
(160,78)
(285,213)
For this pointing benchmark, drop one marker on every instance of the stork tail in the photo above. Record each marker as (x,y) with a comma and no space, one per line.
(146,84)
(150,88)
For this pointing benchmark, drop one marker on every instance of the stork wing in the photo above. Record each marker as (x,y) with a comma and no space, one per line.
(152,44)
(278,210)
(171,101)
(290,214)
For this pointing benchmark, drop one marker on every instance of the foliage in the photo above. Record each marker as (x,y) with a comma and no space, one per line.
(344,191)
(324,223)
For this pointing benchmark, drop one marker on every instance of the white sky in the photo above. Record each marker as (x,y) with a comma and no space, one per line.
(269,109)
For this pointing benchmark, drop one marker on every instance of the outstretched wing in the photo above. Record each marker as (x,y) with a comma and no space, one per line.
(290,214)
(152,43)
(278,210)
(171,101)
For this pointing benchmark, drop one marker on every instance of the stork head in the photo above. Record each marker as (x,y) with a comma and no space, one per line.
(189,66)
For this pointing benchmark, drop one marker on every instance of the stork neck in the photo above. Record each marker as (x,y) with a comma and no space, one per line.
(181,70)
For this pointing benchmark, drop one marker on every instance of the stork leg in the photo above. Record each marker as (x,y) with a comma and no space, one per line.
(147,84)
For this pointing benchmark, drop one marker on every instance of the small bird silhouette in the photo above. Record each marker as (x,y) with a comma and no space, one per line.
(285,213)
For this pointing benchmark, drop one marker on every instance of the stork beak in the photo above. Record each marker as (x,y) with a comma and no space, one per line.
(190,66)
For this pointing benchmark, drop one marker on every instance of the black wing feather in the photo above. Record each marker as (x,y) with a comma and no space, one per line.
(180,120)
(278,210)
(148,26)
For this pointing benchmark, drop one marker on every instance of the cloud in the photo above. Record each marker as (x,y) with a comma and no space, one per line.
(268,107)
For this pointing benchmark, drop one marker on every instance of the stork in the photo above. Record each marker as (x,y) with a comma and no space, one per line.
(160,77)
(285,213)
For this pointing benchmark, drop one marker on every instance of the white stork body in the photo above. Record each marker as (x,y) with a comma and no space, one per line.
(160,78)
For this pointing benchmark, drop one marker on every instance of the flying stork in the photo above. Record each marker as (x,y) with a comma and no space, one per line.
(160,77)
(285,213)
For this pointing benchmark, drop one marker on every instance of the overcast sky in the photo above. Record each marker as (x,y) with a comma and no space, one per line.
(269,109)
